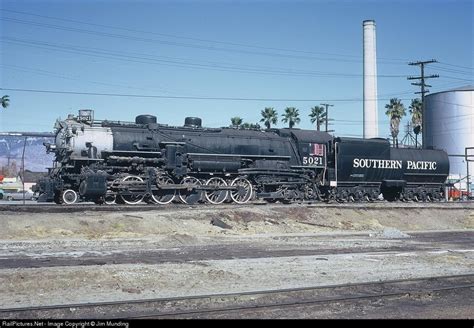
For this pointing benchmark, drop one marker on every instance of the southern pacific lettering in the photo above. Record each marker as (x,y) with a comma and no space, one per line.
(392,164)
(421,165)
(376,163)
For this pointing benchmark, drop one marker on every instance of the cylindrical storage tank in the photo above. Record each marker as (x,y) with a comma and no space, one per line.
(145,119)
(449,125)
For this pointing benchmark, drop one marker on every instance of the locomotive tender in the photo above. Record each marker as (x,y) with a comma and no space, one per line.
(119,162)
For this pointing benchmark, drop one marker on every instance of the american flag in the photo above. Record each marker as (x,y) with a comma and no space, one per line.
(318,150)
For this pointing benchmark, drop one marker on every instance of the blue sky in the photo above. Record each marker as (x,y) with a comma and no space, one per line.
(293,50)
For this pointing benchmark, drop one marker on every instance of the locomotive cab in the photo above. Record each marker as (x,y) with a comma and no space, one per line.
(312,147)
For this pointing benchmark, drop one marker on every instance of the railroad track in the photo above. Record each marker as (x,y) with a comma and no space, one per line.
(54,208)
(238,304)
(426,242)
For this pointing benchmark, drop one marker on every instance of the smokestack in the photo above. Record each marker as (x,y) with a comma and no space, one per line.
(371,129)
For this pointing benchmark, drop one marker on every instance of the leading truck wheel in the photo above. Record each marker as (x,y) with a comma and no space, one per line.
(109,198)
(69,197)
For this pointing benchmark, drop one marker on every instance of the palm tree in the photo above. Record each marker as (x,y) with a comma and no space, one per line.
(5,101)
(291,116)
(269,117)
(236,121)
(416,117)
(318,115)
(395,110)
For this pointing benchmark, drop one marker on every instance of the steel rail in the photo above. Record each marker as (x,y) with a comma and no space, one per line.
(296,303)
(344,292)
(56,208)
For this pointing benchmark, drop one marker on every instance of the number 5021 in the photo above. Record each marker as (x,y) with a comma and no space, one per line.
(309,160)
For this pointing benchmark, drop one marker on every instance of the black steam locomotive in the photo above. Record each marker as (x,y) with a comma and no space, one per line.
(116,162)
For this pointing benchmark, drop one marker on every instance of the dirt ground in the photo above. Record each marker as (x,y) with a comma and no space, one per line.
(300,229)
(195,221)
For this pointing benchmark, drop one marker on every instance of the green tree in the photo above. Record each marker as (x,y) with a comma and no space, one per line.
(318,116)
(236,121)
(416,117)
(269,117)
(247,125)
(5,101)
(291,116)
(395,110)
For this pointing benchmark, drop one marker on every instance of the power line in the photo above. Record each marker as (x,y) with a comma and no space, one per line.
(185,97)
(454,71)
(205,98)
(190,38)
(63,76)
(147,59)
(469,68)
(169,43)
(459,79)
(199,40)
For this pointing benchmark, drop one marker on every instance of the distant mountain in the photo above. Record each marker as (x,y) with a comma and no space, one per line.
(36,159)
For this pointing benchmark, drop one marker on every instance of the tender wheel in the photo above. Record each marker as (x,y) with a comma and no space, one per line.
(358,196)
(133,198)
(69,196)
(244,192)
(343,196)
(311,192)
(189,195)
(163,196)
(216,196)
(437,197)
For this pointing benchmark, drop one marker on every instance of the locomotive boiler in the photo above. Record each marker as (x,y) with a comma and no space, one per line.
(146,161)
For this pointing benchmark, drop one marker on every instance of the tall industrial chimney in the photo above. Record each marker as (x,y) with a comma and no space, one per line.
(371,129)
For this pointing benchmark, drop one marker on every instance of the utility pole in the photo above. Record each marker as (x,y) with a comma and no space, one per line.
(23,169)
(423,91)
(327,114)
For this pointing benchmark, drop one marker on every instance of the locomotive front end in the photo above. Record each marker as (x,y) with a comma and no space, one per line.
(79,142)
(80,138)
